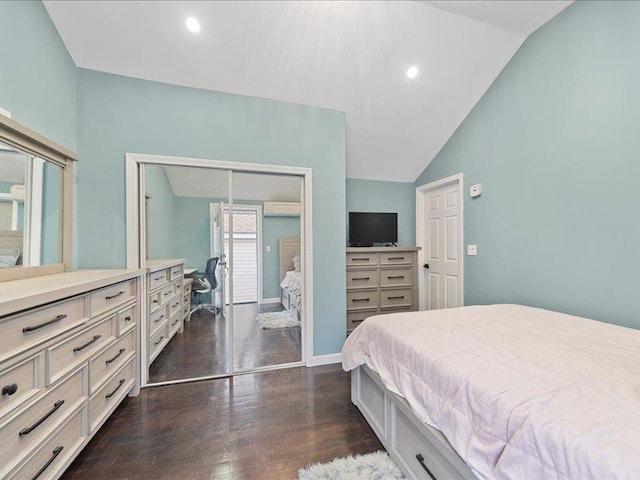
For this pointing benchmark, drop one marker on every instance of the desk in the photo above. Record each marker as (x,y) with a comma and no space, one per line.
(189,271)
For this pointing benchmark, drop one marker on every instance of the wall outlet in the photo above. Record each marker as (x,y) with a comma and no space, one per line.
(475,190)
(472,250)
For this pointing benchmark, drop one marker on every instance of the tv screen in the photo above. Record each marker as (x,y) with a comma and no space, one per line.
(365,228)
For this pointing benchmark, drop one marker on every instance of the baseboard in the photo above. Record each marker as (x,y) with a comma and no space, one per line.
(266,301)
(328,359)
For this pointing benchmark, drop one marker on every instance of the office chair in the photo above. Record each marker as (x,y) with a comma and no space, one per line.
(204,284)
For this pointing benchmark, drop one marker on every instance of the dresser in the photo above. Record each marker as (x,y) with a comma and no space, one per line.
(165,301)
(380,280)
(186,301)
(68,357)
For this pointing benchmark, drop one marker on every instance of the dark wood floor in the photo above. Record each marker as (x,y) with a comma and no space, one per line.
(202,349)
(260,426)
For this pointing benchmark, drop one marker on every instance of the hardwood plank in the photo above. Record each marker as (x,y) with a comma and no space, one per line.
(259,426)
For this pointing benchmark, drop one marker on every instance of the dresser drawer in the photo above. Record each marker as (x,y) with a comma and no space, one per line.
(19,383)
(70,353)
(24,430)
(362,278)
(21,332)
(157,343)
(112,297)
(395,298)
(175,305)
(112,393)
(396,276)
(176,272)
(175,324)
(355,259)
(167,294)
(185,309)
(154,302)
(158,279)
(356,318)
(112,358)
(187,289)
(49,458)
(126,319)
(401,309)
(393,258)
(362,299)
(157,320)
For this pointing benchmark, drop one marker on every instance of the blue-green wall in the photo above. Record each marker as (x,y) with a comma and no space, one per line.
(118,114)
(162,229)
(387,197)
(555,142)
(272,229)
(37,77)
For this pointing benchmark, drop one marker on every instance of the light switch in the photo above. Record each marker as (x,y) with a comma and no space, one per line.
(267,248)
(472,250)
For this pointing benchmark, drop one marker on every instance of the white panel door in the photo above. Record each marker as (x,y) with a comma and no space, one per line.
(219,249)
(443,266)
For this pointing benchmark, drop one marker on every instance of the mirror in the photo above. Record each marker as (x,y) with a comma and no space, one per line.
(30,210)
(36,203)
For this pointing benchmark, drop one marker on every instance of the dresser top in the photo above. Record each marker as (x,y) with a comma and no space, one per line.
(17,295)
(155,265)
(381,249)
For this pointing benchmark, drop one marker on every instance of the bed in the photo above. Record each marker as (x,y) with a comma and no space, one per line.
(290,276)
(10,248)
(500,391)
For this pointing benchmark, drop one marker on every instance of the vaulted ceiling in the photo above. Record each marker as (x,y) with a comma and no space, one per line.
(351,56)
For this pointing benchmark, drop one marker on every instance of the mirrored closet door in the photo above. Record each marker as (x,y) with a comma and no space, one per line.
(224,248)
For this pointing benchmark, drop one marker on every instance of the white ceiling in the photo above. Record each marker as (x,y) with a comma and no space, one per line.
(211,183)
(350,56)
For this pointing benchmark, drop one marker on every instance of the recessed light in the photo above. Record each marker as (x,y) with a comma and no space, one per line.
(193,25)
(412,72)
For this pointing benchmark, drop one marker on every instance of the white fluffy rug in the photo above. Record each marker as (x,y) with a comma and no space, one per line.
(282,319)
(373,466)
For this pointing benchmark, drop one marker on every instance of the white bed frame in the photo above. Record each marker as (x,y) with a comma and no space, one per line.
(421,452)
(288,247)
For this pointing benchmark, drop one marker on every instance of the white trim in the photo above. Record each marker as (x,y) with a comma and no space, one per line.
(269,301)
(327,359)
(134,232)
(420,225)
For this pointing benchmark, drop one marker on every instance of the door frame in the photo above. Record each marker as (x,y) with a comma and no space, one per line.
(135,231)
(258,209)
(421,241)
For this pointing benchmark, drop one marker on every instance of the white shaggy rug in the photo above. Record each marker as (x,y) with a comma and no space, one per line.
(373,466)
(282,319)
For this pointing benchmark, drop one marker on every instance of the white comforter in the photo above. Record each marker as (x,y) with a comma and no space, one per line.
(293,281)
(519,392)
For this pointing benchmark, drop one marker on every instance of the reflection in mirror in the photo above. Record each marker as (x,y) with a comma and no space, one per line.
(30,206)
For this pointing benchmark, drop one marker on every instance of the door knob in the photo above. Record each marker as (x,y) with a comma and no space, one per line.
(426,265)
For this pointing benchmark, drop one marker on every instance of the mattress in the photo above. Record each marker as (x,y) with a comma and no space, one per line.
(519,392)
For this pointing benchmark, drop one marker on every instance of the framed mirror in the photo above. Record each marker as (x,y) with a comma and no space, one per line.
(36,183)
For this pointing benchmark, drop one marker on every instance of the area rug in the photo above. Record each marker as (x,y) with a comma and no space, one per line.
(373,466)
(270,320)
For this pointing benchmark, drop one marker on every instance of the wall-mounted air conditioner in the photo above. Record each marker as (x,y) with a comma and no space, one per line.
(281,209)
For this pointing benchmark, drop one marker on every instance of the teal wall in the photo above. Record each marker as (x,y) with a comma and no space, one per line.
(272,229)
(118,114)
(386,197)
(162,226)
(38,77)
(555,142)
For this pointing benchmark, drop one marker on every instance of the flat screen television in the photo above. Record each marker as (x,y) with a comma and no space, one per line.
(367,229)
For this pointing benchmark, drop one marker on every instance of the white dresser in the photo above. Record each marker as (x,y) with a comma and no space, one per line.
(165,300)
(68,357)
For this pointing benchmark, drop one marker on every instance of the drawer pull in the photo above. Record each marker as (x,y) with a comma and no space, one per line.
(158,319)
(111,360)
(82,347)
(420,459)
(360,259)
(177,320)
(28,430)
(54,455)
(361,278)
(120,383)
(397,297)
(396,277)
(111,297)
(9,389)
(155,344)
(175,304)
(396,258)
(168,293)
(158,278)
(36,327)
(155,300)
(360,299)
(127,318)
